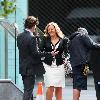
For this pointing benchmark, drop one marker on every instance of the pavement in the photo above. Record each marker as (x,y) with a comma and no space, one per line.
(85,95)
(67,91)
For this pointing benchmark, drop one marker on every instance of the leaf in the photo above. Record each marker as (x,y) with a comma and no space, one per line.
(8,7)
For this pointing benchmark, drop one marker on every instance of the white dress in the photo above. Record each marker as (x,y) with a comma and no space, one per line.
(54,75)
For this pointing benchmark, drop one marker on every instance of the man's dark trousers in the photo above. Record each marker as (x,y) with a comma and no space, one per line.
(28,82)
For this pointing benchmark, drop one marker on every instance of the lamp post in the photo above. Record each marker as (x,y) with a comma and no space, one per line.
(15,46)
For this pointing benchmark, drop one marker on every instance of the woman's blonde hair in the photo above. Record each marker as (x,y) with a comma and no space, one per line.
(57,28)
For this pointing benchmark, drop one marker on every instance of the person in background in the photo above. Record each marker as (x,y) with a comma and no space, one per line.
(30,63)
(54,77)
(79,48)
(95,67)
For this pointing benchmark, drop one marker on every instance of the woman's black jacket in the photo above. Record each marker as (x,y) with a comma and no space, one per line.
(46,46)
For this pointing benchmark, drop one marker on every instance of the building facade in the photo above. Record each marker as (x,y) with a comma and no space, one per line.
(9,69)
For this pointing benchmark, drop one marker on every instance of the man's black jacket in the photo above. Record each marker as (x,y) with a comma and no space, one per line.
(79,47)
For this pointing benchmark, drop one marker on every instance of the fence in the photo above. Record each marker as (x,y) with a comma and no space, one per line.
(69,14)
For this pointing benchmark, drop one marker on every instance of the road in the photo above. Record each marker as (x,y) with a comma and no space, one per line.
(88,94)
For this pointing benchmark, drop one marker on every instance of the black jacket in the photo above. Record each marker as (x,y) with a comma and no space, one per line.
(79,47)
(29,58)
(62,48)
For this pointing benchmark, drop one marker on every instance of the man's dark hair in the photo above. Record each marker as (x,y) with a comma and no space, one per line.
(30,22)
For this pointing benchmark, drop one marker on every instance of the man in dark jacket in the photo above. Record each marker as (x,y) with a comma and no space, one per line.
(29,56)
(79,47)
(95,67)
(28,64)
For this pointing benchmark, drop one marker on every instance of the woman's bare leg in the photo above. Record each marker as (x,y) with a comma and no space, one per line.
(49,93)
(58,93)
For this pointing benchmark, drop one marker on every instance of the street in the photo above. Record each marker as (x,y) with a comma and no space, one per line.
(68,91)
(85,94)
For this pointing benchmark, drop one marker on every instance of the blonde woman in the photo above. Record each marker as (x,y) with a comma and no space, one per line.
(54,77)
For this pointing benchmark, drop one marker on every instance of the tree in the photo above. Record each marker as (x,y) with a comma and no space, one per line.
(8,7)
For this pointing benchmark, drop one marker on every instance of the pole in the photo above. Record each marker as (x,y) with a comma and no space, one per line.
(15,46)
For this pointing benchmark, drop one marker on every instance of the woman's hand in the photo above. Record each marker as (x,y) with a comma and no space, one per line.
(53,53)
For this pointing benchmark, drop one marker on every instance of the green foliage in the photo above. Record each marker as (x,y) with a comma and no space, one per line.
(7,7)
